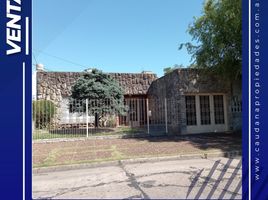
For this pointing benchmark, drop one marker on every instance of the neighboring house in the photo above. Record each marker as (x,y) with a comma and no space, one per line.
(196,102)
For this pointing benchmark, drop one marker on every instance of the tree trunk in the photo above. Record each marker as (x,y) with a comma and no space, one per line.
(96,120)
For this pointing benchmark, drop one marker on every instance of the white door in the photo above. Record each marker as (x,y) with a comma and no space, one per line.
(206,113)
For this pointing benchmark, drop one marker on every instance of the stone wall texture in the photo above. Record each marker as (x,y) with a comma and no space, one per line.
(181,82)
(55,86)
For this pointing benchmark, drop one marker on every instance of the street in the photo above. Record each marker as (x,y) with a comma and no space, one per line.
(178,179)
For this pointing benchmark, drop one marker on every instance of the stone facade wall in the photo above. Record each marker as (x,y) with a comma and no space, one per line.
(56,85)
(181,82)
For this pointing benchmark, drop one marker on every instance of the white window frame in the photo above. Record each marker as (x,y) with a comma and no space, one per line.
(212,127)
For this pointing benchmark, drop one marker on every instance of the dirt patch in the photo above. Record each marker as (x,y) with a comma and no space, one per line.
(49,154)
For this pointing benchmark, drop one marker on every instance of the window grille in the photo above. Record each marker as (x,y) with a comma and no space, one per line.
(236,106)
(204,110)
(190,110)
(218,109)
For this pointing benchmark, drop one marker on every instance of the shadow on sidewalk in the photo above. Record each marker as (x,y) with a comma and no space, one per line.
(225,142)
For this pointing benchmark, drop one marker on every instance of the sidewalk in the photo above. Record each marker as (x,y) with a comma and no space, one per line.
(103,150)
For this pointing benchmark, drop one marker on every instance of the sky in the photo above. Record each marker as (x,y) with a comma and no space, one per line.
(112,35)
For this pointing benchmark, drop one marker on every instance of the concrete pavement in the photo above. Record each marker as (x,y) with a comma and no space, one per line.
(179,179)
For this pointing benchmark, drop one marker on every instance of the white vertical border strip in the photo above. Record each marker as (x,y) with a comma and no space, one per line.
(23,131)
(27,35)
(249,99)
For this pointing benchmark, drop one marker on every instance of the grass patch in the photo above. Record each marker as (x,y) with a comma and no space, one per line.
(117,155)
(45,134)
(51,158)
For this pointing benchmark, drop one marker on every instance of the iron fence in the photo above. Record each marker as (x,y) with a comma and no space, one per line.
(84,118)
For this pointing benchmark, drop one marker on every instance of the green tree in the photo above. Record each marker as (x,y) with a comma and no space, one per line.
(168,70)
(104,94)
(218,33)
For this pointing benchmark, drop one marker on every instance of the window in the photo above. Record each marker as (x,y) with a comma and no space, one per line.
(236,105)
(218,109)
(204,110)
(205,113)
(190,110)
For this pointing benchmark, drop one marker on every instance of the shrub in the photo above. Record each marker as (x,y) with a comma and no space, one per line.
(111,122)
(43,113)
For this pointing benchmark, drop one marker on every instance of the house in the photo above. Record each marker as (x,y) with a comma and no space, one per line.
(56,86)
(202,102)
(182,102)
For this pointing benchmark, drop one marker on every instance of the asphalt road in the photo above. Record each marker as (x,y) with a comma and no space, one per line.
(180,179)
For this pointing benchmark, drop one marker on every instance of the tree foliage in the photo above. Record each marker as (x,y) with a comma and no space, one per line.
(168,70)
(104,94)
(218,33)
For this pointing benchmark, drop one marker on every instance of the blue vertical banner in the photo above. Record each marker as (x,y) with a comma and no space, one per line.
(245,100)
(15,98)
(258,100)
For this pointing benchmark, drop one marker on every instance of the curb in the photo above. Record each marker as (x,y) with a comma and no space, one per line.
(230,154)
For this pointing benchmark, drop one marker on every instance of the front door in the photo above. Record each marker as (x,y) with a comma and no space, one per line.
(134,112)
